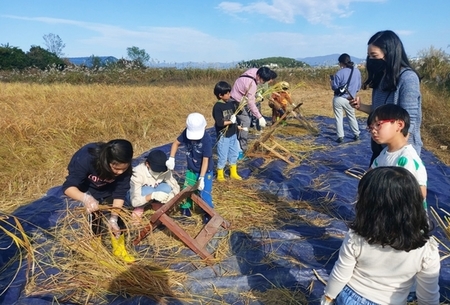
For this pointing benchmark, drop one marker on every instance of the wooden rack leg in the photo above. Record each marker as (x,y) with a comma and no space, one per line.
(197,244)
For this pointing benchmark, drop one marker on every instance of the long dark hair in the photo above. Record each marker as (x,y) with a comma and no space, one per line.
(115,151)
(346,60)
(389,210)
(395,58)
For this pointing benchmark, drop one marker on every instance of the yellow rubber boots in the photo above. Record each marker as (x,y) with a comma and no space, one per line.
(233,172)
(220,176)
(119,250)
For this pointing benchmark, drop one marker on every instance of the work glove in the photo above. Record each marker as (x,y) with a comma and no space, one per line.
(262,122)
(259,97)
(160,196)
(114,227)
(170,163)
(201,183)
(233,118)
(90,203)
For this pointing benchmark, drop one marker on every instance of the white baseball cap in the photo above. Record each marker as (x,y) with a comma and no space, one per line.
(195,124)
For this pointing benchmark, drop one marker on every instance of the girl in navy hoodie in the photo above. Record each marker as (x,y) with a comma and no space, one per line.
(99,173)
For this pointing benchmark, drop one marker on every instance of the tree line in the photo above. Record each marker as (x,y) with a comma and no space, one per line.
(14,58)
(273,62)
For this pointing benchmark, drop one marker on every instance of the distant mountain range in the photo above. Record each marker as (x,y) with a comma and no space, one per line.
(316,61)
(87,61)
(328,60)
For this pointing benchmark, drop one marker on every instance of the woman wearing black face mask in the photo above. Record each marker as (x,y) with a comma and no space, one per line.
(393,81)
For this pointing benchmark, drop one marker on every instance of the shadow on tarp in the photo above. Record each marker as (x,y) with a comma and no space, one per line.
(262,259)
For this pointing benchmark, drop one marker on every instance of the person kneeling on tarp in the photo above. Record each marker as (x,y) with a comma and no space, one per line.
(152,183)
(99,173)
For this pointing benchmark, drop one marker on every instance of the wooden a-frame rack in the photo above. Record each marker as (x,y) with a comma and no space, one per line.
(197,244)
(266,143)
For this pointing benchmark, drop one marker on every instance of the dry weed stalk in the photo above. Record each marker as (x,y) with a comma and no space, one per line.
(355,172)
(23,244)
(84,270)
(444,223)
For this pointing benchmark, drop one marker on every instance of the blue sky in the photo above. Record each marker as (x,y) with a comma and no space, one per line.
(223,31)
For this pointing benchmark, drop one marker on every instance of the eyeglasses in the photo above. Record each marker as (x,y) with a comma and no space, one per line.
(378,124)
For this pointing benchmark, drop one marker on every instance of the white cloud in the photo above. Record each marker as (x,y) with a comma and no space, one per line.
(285,11)
(167,43)
(297,45)
(403,32)
(231,7)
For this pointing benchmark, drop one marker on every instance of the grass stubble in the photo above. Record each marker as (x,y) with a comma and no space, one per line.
(43,125)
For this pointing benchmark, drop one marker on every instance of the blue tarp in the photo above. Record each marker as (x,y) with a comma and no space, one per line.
(262,259)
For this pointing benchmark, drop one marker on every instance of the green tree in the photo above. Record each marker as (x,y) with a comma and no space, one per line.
(138,56)
(54,44)
(12,58)
(43,59)
(279,62)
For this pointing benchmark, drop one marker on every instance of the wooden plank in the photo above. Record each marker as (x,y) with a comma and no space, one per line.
(198,244)
(209,230)
(279,146)
(154,219)
(201,203)
(210,211)
(277,154)
(252,151)
(193,244)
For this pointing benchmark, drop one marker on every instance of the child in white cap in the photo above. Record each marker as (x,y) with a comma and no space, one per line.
(152,183)
(198,145)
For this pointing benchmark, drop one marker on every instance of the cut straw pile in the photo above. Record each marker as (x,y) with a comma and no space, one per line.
(73,266)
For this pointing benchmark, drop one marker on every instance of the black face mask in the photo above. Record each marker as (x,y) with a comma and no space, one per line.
(375,71)
(375,66)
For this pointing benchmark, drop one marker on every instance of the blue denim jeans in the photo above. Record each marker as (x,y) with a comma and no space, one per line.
(349,297)
(162,187)
(227,149)
(145,190)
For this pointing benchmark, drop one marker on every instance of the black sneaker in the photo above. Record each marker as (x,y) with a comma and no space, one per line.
(356,138)
(340,140)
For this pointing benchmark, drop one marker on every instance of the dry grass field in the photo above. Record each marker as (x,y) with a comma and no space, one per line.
(42,125)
